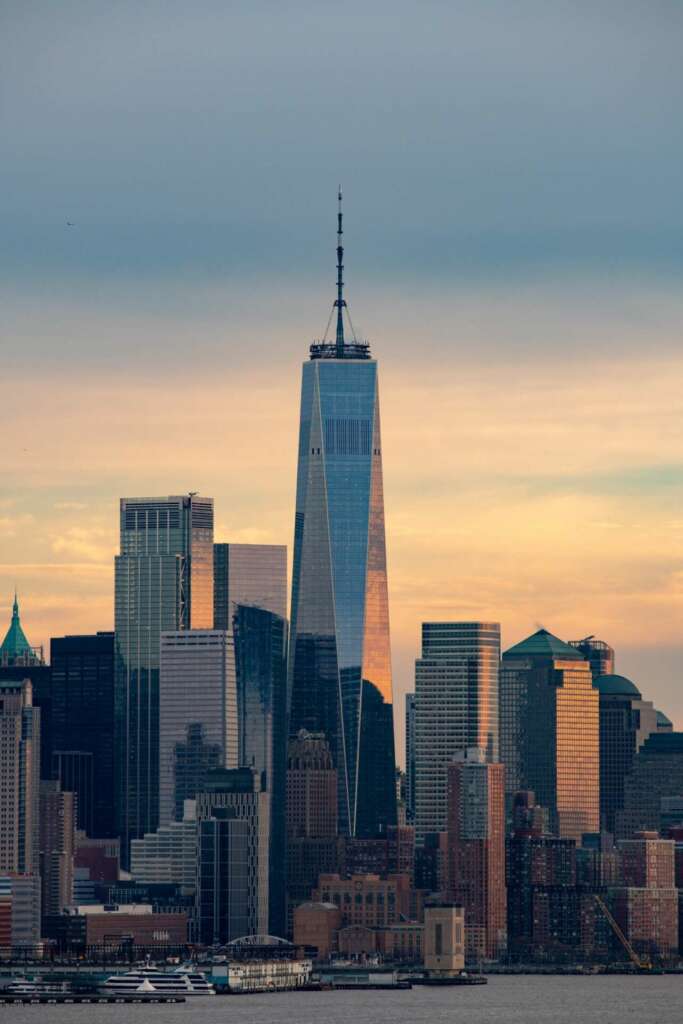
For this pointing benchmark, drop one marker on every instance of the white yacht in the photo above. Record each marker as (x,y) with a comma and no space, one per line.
(150,981)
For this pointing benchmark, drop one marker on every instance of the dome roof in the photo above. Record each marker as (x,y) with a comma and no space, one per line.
(663,720)
(616,686)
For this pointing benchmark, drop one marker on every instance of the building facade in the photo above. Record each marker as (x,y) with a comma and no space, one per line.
(260,638)
(19,779)
(82,736)
(168,855)
(198,727)
(456,707)
(251,574)
(340,659)
(598,654)
(410,757)
(57,845)
(223,906)
(657,773)
(626,720)
(550,731)
(476,851)
(163,582)
(239,791)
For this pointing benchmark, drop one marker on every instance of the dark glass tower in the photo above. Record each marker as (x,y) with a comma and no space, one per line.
(340,662)
(82,716)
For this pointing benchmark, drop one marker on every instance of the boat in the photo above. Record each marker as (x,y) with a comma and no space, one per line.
(151,981)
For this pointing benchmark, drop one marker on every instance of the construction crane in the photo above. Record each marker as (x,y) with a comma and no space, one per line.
(641,965)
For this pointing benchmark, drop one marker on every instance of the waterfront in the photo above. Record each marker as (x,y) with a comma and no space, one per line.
(508,1000)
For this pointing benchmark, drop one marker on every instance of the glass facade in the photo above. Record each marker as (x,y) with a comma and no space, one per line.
(261,673)
(163,582)
(82,715)
(456,707)
(253,574)
(549,732)
(340,663)
(197,714)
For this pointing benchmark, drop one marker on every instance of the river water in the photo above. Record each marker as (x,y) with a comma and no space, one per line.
(505,1000)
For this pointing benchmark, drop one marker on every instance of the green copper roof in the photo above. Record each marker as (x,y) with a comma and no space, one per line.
(15,642)
(544,645)
(616,686)
(662,719)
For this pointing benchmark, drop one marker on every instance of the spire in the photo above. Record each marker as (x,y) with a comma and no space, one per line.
(15,645)
(340,302)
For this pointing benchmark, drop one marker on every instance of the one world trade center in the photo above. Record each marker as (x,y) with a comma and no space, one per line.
(340,659)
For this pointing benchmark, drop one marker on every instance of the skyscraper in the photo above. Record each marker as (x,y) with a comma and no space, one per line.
(549,731)
(456,707)
(260,639)
(410,757)
(252,574)
(657,773)
(476,851)
(598,654)
(20,660)
(164,581)
(626,720)
(57,833)
(19,779)
(82,715)
(198,728)
(340,660)
(239,792)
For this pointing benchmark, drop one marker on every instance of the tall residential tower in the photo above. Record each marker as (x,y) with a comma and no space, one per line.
(340,661)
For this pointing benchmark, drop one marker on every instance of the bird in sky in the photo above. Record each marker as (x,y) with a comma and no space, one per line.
(70,225)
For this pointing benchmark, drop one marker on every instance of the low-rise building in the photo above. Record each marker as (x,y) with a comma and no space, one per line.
(366,900)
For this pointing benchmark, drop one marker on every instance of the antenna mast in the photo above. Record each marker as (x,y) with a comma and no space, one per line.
(340,303)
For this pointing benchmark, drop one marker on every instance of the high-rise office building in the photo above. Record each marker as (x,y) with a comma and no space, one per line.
(20,894)
(476,851)
(260,639)
(57,843)
(224,908)
(626,720)
(550,733)
(168,855)
(164,582)
(340,660)
(251,574)
(456,707)
(657,773)
(198,728)
(82,716)
(239,791)
(598,654)
(20,660)
(410,757)
(311,817)
(19,778)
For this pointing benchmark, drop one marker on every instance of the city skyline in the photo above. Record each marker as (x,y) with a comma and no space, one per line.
(532,453)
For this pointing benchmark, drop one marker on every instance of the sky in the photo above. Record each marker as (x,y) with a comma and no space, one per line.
(513,232)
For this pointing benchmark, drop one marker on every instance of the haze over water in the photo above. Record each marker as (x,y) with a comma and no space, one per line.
(513,1000)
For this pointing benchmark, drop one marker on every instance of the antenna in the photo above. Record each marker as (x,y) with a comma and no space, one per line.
(340,302)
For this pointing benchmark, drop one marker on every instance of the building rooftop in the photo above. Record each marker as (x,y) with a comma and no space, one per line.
(662,743)
(616,686)
(15,644)
(662,720)
(543,644)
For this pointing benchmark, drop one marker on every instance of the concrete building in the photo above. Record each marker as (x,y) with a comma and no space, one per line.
(312,847)
(550,731)
(476,851)
(249,574)
(317,925)
(456,707)
(198,726)
(444,939)
(366,900)
(21,893)
(169,854)
(19,778)
(57,844)
(239,791)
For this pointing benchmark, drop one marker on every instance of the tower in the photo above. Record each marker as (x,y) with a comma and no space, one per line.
(340,661)
(164,581)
